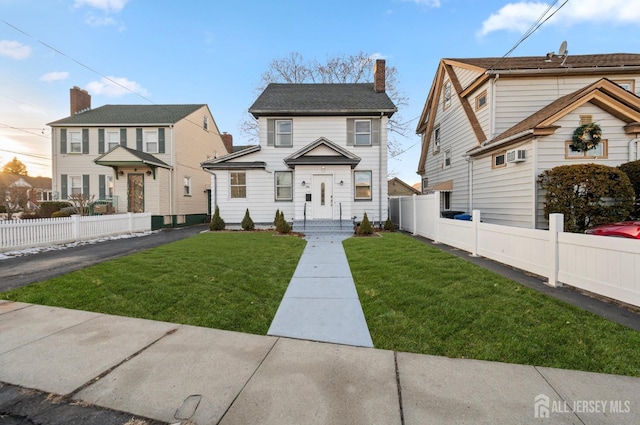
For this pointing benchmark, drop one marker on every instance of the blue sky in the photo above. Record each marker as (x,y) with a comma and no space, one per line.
(214,52)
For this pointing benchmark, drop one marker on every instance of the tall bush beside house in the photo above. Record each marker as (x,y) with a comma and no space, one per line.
(587,195)
(365,226)
(281,224)
(276,219)
(247,222)
(217,223)
(632,170)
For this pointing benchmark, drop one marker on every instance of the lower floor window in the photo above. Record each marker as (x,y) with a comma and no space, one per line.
(76,185)
(284,185)
(238,183)
(187,186)
(362,181)
(446,200)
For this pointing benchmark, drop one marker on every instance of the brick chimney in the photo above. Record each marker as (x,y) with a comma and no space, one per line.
(379,76)
(227,139)
(80,100)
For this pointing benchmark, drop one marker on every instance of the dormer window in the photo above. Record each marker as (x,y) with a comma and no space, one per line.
(362,132)
(436,140)
(284,133)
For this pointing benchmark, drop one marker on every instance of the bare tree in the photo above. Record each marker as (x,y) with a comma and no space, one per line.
(356,68)
(14,199)
(81,203)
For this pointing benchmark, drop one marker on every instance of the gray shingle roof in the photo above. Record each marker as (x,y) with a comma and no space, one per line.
(130,114)
(321,99)
(605,60)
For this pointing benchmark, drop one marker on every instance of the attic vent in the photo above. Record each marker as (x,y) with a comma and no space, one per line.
(586,119)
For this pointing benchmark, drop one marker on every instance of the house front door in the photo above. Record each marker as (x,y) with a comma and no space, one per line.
(135,193)
(322,196)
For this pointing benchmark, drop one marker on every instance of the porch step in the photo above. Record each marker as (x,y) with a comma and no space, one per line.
(323,227)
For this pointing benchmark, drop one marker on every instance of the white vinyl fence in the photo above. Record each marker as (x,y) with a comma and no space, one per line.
(22,234)
(598,264)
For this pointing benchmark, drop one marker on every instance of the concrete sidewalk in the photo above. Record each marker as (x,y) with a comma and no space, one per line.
(321,302)
(173,373)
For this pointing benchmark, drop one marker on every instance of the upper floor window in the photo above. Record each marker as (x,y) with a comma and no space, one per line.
(205,122)
(447,95)
(151,141)
(436,140)
(446,160)
(362,132)
(629,85)
(425,184)
(75,142)
(481,100)
(284,133)
(601,151)
(113,139)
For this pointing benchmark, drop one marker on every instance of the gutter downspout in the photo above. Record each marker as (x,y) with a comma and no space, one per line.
(492,120)
(631,153)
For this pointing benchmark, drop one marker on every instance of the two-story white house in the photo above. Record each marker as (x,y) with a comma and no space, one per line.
(322,155)
(491,126)
(136,158)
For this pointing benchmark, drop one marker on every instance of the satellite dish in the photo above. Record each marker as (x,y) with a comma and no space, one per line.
(563,49)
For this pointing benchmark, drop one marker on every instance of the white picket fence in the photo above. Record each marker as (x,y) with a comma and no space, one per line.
(23,234)
(601,265)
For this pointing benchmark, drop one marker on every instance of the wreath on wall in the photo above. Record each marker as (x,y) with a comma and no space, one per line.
(580,141)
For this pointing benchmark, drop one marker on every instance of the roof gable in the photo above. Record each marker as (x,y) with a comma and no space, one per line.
(123,156)
(322,151)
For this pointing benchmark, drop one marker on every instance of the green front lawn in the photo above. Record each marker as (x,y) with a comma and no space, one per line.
(415,298)
(225,280)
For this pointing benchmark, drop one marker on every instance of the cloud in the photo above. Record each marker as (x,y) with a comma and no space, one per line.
(106,5)
(115,87)
(430,3)
(54,76)
(14,49)
(519,16)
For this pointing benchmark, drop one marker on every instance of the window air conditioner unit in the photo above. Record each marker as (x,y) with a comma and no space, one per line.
(516,155)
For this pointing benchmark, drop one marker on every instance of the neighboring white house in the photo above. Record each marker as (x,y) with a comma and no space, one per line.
(491,126)
(136,158)
(322,155)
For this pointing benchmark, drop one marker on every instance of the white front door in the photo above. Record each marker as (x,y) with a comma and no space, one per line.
(322,196)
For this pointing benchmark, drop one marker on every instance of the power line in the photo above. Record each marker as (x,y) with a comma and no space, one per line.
(26,154)
(24,130)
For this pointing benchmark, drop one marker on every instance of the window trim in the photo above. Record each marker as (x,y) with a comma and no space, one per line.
(570,155)
(437,137)
(356,133)
(631,82)
(446,95)
(146,142)
(446,156)
(231,185)
(495,156)
(277,133)
(71,142)
(425,184)
(108,142)
(355,185)
(186,183)
(482,95)
(276,186)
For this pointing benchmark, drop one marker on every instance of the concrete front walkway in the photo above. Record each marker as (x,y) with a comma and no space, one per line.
(321,302)
(185,374)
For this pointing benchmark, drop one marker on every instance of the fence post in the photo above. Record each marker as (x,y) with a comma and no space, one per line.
(415,216)
(435,214)
(75,227)
(556,225)
(475,222)
(130,215)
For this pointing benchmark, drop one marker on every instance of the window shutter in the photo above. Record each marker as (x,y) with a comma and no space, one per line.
(101,140)
(85,185)
(271,132)
(375,132)
(350,136)
(139,139)
(63,141)
(85,140)
(161,140)
(63,186)
(123,137)
(101,186)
